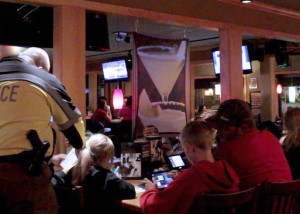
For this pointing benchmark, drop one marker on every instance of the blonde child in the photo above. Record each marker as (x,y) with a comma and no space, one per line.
(102,188)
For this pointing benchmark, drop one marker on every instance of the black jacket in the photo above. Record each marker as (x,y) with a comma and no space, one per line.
(103,188)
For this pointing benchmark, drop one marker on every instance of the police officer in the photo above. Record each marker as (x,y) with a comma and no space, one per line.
(29,97)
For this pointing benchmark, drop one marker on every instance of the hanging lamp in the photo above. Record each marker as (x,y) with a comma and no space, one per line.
(118,99)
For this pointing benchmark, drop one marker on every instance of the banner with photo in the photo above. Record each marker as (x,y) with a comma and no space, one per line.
(160,78)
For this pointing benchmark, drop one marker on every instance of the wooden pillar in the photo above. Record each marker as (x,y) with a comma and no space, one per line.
(93,91)
(69,55)
(269,108)
(192,90)
(231,64)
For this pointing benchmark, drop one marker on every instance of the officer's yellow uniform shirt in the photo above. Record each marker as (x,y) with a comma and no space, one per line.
(25,106)
(29,96)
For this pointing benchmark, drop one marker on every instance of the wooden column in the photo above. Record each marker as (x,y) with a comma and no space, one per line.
(93,91)
(69,55)
(231,64)
(269,108)
(192,90)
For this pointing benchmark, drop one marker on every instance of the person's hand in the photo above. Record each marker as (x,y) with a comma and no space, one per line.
(149,184)
(119,175)
(173,173)
(107,108)
(108,112)
(57,159)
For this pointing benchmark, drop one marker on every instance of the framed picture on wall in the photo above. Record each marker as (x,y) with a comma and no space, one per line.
(253,83)
(255,101)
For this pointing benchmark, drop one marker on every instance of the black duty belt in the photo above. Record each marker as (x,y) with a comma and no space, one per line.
(11,158)
(17,158)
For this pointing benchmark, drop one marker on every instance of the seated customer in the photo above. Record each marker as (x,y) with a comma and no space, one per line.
(271,127)
(291,143)
(126,112)
(102,188)
(255,155)
(103,113)
(205,175)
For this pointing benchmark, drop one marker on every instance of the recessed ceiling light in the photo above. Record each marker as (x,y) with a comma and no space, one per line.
(246,1)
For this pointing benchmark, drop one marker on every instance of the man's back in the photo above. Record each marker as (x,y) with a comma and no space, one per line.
(28,98)
(23,107)
(256,156)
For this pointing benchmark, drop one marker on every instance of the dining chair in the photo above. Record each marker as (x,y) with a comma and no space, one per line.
(70,200)
(242,202)
(280,198)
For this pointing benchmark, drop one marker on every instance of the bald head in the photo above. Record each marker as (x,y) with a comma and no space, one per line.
(37,57)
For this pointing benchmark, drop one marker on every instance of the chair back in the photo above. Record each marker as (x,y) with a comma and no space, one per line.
(125,130)
(280,197)
(81,199)
(243,202)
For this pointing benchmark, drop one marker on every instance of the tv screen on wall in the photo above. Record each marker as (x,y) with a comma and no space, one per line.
(115,70)
(246,62)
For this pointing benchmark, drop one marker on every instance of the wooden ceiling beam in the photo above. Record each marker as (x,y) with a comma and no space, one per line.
(208,14)
(200,55)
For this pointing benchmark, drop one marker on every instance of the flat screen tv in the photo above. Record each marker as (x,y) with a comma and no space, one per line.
(246,63)
(115,70)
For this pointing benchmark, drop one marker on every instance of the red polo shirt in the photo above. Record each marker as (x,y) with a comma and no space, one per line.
(256,156)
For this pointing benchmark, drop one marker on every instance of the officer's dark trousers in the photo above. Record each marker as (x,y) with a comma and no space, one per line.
(20,193)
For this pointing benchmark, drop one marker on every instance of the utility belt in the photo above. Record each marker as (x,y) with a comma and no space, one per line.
(30,161)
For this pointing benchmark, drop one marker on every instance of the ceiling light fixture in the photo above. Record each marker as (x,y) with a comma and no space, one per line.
(246,1)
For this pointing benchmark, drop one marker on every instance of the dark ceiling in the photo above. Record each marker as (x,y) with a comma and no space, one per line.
(28,25)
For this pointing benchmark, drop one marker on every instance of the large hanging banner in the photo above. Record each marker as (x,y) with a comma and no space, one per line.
(160,83)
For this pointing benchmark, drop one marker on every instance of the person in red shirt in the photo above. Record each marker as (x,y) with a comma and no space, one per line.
(102,114)
(255,155)
(126,112)
(205,175)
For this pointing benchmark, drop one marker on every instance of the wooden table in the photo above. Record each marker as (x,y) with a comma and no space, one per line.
(132,204)
(117,121)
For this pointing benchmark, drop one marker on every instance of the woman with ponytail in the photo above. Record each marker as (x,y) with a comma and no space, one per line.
(291,143)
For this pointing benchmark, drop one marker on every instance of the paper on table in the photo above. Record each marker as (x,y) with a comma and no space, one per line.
(70,160)
(139,189)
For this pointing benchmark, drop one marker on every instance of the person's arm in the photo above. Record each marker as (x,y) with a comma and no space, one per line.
(75,134)
(68,119)
(167,201)
(57,159)
(108,112)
